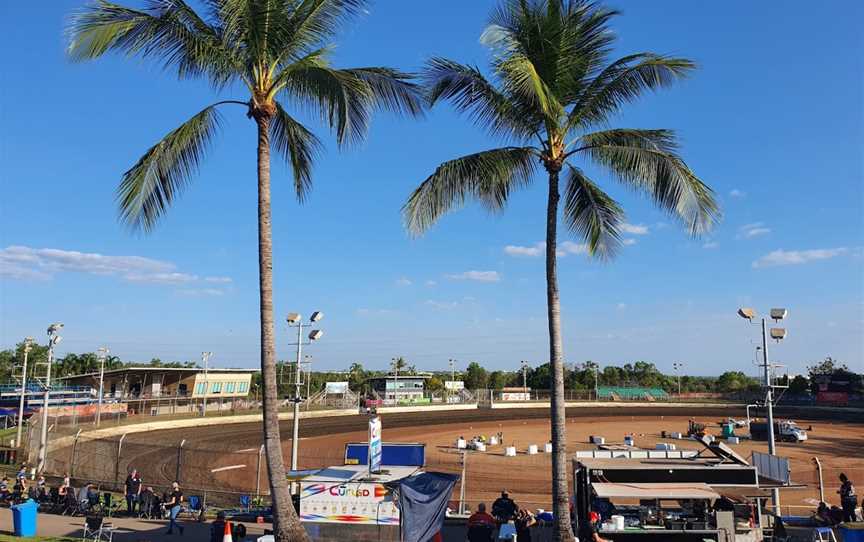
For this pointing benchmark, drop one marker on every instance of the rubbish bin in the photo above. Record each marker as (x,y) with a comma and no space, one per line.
(24,518)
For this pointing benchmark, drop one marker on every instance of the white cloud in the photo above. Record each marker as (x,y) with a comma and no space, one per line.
(621,306)
(479,276)
(363,311)
(756,229)
(403,281)
(198,292)
(711,244)
(628,242)
(798,257)
(161,278)
(539,249)
(736,193)
(569,247)
(20,262)
(442,305)
(431,283)
(634,229)
(532,251)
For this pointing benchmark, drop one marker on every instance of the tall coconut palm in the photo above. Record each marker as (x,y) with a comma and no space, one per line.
(272,50)
(551,91)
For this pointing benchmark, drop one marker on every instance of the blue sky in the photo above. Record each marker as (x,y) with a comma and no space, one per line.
(772,121)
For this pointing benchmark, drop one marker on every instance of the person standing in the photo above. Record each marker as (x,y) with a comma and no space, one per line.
(504,509)
(133,491)
(173,504)
(848,498)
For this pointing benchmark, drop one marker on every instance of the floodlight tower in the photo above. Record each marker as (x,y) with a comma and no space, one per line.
(294,319)
(28,345)
(524,368)
(678,365)
(54,339)
(777,334)
(205,361)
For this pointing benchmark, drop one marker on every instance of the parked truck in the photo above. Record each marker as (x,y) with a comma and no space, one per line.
(784,430)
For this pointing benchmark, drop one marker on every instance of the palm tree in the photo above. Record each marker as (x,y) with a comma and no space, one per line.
(551,92)
(273,50)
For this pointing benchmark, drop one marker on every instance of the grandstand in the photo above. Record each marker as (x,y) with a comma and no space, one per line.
(616,393)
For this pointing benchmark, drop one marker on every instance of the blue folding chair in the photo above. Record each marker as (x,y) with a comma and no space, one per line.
(245,502)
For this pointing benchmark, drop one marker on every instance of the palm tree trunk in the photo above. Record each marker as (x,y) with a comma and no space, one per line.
(560,493)
(286,524)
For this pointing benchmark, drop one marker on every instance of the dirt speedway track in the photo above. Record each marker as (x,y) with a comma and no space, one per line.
(232,450)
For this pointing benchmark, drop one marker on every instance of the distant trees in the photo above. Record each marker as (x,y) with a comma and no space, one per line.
(476,377)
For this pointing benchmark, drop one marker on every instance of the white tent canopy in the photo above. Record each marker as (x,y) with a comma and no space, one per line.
(654,491)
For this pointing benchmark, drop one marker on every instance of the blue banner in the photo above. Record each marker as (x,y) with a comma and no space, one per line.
(375,451)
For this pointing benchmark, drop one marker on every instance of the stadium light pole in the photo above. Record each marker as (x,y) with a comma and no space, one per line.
(777,334)
(677,365)
(295,320)
(28,345)
(205,361)
(102,353)
(525,380)
(54,338)
(395,366)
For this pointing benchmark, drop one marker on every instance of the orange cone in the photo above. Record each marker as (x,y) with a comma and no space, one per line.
(227,536)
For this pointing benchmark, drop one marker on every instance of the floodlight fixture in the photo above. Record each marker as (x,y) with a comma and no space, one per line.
(316,316)
(747,313)
(779,314)
(57,339)
(778,333)
(294,317)
(315,334)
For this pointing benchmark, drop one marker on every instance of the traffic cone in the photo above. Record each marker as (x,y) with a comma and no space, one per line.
(227,536)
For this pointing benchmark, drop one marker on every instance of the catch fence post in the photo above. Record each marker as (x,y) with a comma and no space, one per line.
(179,459)
(117,462)
(74,451)
(258,473)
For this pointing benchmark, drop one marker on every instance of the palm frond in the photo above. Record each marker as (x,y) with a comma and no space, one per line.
(647,160)
(347,98)
(309,24)
(471,93)
(343,101)
(391,90)
(489,176)
(298,146)
(523,83)
(168,31)
(622,82)
(151,185)
(592,214)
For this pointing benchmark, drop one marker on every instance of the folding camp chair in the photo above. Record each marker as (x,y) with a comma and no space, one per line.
(193,507)
(96,529)
(824,534)
(245,502)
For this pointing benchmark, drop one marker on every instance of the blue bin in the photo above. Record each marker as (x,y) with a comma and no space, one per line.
(851,535)
(24,518)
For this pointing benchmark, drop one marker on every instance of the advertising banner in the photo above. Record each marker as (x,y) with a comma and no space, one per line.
(356,503)
(336,388)
(454,385)
(375,451)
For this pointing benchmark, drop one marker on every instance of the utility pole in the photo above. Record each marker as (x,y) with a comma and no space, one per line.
(452,378)
(102,353)
(596,387)
(28,345)
(53,339)
(205,361)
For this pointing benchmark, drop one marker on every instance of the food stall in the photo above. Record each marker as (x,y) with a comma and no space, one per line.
(688,499)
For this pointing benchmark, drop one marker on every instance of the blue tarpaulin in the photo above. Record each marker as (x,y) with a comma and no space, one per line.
(422,501)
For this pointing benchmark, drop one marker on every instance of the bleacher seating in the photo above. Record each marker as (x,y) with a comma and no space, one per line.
(617,393)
